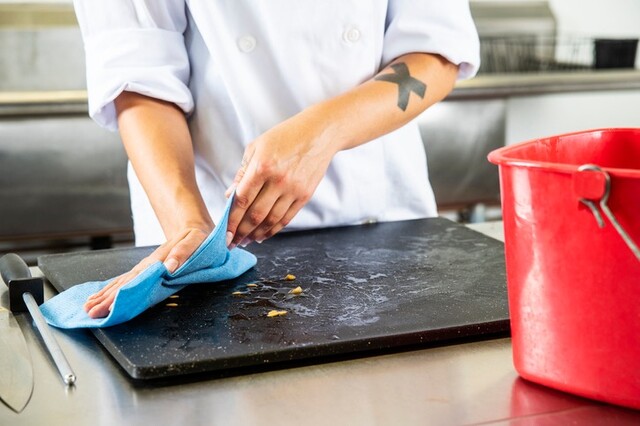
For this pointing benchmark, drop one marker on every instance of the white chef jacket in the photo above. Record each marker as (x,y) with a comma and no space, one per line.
(239,67)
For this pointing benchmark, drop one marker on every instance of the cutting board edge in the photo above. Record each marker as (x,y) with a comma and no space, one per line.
(355,348)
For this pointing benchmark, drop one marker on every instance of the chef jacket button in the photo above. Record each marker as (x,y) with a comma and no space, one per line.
(246,43)
(351,35)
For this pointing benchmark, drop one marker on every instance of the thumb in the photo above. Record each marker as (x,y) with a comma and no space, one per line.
(246,158)
(171,264)
(236,181)
(182,251)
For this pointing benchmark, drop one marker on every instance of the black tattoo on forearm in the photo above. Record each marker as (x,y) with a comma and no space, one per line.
(406,84)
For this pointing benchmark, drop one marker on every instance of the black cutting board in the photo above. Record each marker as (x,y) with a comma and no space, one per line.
(365,288)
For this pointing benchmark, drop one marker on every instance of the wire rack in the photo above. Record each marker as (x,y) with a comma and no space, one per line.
(531,53)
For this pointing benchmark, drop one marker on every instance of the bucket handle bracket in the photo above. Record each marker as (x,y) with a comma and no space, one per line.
(598,189)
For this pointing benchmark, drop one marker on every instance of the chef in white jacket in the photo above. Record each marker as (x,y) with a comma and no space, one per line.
(303,107)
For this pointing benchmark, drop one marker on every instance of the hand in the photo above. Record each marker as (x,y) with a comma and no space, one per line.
(172,253)
(280,171)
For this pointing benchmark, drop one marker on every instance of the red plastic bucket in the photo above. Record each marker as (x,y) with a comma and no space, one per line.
(573,269)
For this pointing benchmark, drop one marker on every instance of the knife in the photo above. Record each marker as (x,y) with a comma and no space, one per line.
(25,293)
(16,371)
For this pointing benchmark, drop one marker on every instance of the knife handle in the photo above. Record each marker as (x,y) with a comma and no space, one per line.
(12,267)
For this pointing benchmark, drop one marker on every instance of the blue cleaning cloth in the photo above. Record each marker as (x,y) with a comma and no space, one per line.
(211,262)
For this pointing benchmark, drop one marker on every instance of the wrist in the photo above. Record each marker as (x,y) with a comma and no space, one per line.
(328,126)
(186,212)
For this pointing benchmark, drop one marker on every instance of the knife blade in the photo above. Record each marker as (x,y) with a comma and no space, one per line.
(25,294)
(16,370)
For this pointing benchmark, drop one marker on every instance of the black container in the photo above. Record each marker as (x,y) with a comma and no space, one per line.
(615,53)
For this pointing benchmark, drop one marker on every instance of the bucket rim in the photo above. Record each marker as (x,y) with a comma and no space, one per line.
(504,156)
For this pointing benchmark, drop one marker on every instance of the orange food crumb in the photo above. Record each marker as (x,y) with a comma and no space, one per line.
(297,290)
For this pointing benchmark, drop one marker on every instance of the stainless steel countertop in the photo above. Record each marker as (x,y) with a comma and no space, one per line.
(461,384)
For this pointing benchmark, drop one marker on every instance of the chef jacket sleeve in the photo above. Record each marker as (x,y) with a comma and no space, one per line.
(441,27)
(134,45)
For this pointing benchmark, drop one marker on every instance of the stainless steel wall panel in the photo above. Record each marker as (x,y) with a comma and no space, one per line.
(457,136)
(61,176)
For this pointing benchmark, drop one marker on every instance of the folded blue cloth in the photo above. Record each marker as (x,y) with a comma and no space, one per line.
(211,262)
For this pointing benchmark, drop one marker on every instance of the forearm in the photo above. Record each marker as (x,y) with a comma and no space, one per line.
(283,166)
(384,103)
(157,140)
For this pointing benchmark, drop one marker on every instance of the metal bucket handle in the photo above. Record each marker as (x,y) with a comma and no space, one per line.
(603,206)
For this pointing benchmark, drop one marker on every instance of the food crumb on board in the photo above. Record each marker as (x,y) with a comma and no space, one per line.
(174,296)
(297,290)
(171,305)
(276,313)
(290,277)
(252,285)
(238,293)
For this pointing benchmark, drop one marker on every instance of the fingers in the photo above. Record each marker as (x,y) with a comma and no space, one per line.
(283,222)
(263,206)
(173,253)
(276,219)
(246,193)
(266,217)
(99,304)
(282,169)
